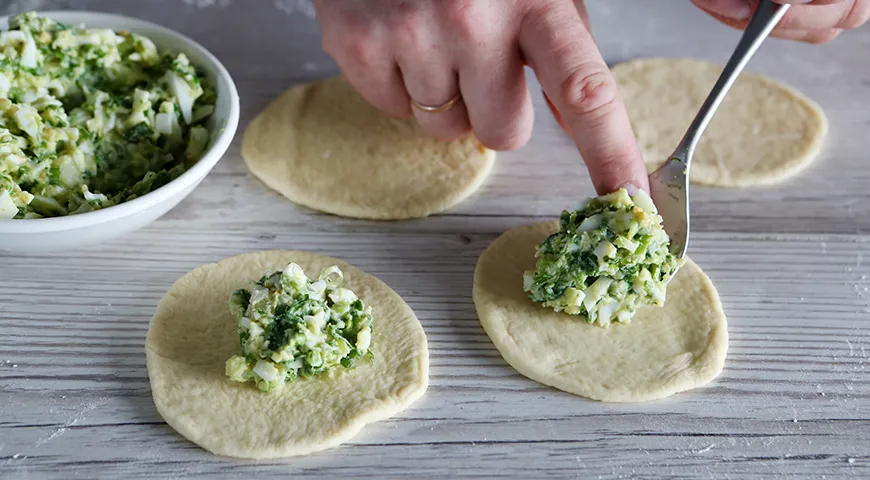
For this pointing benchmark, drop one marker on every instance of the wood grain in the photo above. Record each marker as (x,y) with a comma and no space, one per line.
(791,264)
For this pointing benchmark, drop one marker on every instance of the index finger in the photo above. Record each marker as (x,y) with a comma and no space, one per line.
(561,51)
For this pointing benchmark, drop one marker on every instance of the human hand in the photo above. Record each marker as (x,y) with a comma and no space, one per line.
(812,21)
(393,51)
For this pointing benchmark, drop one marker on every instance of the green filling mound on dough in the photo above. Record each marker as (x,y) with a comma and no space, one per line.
(607,258)
(291,326)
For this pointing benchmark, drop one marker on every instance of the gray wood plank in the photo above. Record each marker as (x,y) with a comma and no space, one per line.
(791,264)
(795,393)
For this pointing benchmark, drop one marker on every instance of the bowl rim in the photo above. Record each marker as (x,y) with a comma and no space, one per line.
(224,137)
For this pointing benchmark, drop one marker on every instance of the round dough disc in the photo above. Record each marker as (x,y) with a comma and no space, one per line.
(322,146)
(661,352)
(763,133)
(193,334)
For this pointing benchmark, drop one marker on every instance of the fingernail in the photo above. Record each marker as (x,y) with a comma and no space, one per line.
(733,9)
(630,188)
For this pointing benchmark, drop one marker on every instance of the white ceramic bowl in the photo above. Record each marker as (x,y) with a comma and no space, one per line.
(76,231)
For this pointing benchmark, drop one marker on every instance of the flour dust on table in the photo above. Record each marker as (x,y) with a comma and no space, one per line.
(764,132)
(323,146)
(662,351)
(194,332)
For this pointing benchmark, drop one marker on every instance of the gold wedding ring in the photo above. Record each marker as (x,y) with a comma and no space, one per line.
(437,108)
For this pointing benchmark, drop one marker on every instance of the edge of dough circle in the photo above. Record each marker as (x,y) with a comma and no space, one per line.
(763,133)
(664,350)
(324,147)
(193,333)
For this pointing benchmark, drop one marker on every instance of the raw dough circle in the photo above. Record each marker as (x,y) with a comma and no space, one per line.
(763,133)
(661,352)
(322,146)
(193,334)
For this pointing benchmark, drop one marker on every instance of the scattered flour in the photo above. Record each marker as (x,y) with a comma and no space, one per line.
(705,449)
(208,3)
(290,7)
(79,416)
(13,458)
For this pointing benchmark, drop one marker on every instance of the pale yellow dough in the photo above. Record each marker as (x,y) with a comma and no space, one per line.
(322,146)
(764,132)
(661,352)
(193,334)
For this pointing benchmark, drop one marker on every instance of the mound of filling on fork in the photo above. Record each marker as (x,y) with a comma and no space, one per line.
(607,259)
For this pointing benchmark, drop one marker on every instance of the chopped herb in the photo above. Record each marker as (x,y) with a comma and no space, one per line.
(292,327)
(137,132)
(606,260)
(54,176)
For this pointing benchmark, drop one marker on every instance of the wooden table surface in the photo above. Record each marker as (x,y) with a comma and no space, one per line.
(793,400)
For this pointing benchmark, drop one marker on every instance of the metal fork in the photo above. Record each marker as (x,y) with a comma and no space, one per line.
(669,184)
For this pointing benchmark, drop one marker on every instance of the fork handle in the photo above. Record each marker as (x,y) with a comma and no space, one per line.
(763,21)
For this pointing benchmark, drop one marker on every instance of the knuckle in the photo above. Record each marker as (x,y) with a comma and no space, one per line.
(377,95)
(352,41)
(508,132)
(404,23)
(329,45)
(465,20)
(341,27)
(505,139)
(588,90)
(856,15)
(360,49)
(406,35)
(823,36)
(506,143)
